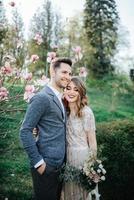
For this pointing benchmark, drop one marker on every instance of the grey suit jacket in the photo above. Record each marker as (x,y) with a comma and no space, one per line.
(45,113)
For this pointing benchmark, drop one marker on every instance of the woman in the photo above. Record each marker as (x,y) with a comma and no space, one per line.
(81,136)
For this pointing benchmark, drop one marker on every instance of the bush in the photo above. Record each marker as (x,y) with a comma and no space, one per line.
(116,146)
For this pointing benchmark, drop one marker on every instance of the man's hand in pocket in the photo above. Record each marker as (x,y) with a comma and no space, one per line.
(41,168)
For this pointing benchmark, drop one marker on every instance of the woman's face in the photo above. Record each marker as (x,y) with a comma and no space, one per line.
(71,93)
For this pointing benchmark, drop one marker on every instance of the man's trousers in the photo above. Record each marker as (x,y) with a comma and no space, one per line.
(47,186)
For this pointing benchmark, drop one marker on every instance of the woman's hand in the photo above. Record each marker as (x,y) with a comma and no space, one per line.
(94,152)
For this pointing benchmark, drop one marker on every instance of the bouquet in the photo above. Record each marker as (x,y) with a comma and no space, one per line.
(87,176)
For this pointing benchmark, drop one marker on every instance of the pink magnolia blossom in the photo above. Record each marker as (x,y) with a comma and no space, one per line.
(17,73)
(43,81)
(29,92)
(73,61)
(3,93)
(38,38)
(78,54)
(44,78)
(77,49)
(51,56)
(19,44)
(30,88)
(7,69)
(9,58)
(2,70)
(55,47)
(83,72)
(27,76)
(12,3)
(34,58)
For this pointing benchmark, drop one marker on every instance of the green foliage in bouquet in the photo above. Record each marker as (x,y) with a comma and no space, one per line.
(87,176)
(72,174)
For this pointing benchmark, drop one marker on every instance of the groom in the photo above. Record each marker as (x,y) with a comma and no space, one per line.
(46,113)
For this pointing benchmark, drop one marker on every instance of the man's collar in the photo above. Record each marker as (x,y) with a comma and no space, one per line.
(56,92)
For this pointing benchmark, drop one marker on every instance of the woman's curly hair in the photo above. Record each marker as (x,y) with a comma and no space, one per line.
(82,100)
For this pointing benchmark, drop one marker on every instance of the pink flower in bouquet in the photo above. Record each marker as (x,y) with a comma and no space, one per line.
(51,56)
(96,178)
(29,92)
(38,38)
(83,72)
(94,169)
(34,58)
(3,93)
(12,3)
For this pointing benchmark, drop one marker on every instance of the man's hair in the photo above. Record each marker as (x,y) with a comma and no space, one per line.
(56,62)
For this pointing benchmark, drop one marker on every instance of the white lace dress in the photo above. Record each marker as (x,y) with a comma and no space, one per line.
(78,150)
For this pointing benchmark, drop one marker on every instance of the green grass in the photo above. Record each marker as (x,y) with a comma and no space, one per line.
(109,103)
(15,181)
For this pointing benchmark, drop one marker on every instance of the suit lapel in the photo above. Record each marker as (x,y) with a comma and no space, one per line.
(55,98)
(57,102)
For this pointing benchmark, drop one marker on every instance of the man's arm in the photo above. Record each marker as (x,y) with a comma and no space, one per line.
(37,107)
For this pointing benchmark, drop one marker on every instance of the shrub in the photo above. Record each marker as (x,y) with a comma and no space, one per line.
(116,146)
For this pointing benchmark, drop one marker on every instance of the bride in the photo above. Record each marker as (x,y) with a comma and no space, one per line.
(81,137)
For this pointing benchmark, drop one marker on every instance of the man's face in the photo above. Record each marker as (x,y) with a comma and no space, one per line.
(62,75)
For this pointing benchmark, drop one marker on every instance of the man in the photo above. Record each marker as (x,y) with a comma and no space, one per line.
(46,113)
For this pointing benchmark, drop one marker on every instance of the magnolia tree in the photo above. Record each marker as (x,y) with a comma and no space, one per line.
(18,86)
(14,77)
(11,76)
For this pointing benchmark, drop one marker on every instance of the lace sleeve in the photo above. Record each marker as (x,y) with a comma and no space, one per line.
(88,120)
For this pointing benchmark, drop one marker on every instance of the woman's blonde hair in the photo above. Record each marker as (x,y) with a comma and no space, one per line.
(82,101)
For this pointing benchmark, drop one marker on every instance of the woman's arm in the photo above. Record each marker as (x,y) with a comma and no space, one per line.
(91,140)
(89,127)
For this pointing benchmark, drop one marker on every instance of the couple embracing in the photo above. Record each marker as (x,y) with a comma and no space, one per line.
(66,132)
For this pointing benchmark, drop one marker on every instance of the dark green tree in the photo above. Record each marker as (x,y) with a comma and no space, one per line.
(101,23)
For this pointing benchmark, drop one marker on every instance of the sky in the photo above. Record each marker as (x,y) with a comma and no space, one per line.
(125,9)
(69,7)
